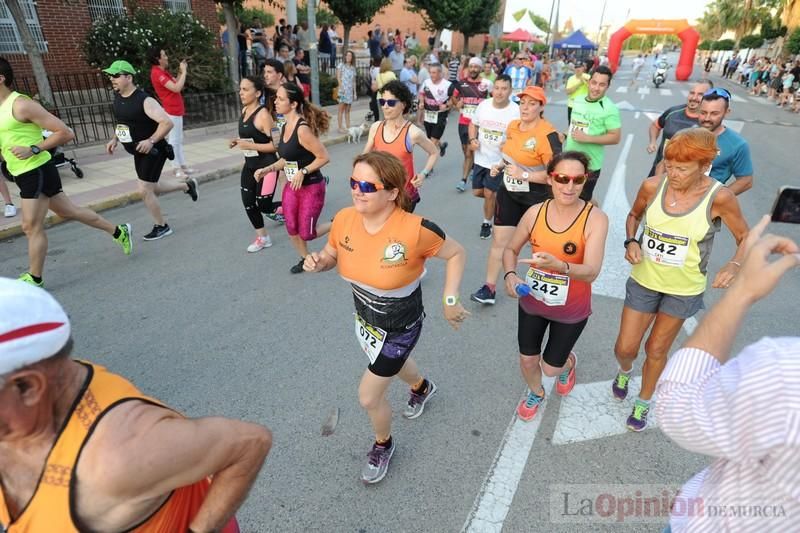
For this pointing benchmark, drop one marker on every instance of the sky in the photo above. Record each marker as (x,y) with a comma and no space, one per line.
(586,14)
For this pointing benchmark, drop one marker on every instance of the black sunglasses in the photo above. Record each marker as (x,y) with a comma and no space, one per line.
(118,74)
(718,91)
(365,186)
(391,102)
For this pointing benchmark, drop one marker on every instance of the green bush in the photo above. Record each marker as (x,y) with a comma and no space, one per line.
(751,41)
(326,85)
(181,35)
(706,45)
(246,16)
(723,44)
(793,42)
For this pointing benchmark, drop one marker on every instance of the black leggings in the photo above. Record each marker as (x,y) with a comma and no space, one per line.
(562,338)
(254,203)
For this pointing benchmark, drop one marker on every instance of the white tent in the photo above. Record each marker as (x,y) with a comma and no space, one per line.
(517,15)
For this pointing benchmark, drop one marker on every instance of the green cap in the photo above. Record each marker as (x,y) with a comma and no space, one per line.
(120,66)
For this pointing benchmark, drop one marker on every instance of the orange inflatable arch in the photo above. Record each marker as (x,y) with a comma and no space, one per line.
(688,36)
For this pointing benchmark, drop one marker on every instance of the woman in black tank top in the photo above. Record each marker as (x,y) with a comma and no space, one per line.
(301,156)
(256,145)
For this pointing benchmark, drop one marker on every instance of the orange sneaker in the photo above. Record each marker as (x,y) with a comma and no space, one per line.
(528,407)
(566,380)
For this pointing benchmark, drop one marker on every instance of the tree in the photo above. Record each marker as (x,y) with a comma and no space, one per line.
(705,45)
(322,15)
(477,20)
(793,42)
(34,56)
(438,15)
(353,12)
(247,15)
(751,41)
(228,10)
(723,44)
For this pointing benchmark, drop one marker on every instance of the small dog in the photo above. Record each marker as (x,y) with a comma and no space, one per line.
(354,133)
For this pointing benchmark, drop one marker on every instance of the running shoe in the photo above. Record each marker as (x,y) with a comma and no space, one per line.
(277,217)
(484,295)
(259,244)
(619,387)
(528,407)
(158,232)
(124,238)
(566,379)
(416,402)
(27,277)
(462,186)
(10,210)
(298,268)
(638,419)
(192,190)
(486,231)
(442,149)
(377,463)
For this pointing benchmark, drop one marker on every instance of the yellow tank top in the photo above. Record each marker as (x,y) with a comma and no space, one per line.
(16,133)
(675,248)
(50,510)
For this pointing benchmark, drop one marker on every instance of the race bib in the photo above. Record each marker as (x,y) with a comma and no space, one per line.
(123,133)
(290,169)
(492,137)
(550,289)
(515,185)
(663,248)
(370,338)
(431,117)
(577,125)
(249,153)
(468,110)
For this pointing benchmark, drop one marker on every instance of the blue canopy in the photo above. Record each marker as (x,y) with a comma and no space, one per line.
(576,41)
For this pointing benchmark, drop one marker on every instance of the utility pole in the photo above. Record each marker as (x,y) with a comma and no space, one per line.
(555,33)
(291,12)
(600,28)
(312,52)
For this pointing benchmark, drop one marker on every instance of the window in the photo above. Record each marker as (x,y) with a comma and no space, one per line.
(105,8)
(10,40)
(176,6)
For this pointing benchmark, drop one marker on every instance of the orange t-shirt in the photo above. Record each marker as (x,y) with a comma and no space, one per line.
(532,149)
(49,509)
(391,259)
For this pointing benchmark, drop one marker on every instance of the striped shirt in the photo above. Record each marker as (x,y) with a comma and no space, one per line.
(745,414)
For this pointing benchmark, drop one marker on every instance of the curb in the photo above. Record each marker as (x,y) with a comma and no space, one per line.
(120,200)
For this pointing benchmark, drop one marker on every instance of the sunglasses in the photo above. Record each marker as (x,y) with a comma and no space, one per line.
(718,91)
(118,74)
(564,179)
(365,186)
(391,102)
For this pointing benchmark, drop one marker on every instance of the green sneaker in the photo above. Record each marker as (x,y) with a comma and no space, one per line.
(124,238)
(619,387)
(638,419)
(28,278)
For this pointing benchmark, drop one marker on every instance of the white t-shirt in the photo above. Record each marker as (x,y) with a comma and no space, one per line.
(440,91)
(638,63)
(492,123)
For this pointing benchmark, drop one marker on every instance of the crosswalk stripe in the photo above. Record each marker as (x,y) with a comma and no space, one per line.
(685,93)
(644,90)
(622,89)
(665,92)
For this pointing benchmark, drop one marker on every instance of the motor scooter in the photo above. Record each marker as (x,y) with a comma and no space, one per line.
(660,74)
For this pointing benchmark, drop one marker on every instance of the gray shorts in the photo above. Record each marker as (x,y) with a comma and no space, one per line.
(645,300)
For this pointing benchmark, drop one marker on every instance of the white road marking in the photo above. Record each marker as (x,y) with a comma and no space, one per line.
(497,492)
(560,102)
(636,115)
(665,92)
(591,412)
(625,106)
(622,89)
(685,94)
(735,125)
(737,98)
(644,90)
(652,116)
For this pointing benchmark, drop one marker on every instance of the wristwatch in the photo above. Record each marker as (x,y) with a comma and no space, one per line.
(628,241)
(450,301)
(35,150)
(304,171)
(425,172)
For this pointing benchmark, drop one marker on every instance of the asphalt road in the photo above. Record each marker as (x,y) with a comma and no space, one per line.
(200,324)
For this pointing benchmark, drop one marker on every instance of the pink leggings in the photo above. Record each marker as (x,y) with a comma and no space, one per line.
(301,209)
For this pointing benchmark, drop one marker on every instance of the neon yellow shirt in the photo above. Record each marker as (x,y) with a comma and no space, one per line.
(16,133)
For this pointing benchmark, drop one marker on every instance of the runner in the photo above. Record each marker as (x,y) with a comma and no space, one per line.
(302,155)
(681,214)
(142,125)
(595,123)
(530,144)
(396,100)
(486,136)
(673,120)
(255,124)
(521,75)
(27,158)
(435,93)
(733,158)
(84,450)
(387,291)
(273,79)
(577,86)
(168,89)
(638,63)
(469,92)
(568,239)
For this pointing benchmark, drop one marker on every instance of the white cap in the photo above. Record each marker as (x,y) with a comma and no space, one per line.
(33,325)
(476,61)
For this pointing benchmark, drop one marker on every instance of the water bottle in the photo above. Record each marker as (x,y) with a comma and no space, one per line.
(522,289)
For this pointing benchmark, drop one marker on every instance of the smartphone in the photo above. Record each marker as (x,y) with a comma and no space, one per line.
(787,206)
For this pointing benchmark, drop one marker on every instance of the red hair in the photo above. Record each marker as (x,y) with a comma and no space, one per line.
(692,144)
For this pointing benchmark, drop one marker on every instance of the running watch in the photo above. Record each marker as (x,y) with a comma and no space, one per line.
(450,301)
(35,150)
(628,241)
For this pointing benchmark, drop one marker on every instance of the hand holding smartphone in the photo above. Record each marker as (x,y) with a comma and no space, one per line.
(787,206)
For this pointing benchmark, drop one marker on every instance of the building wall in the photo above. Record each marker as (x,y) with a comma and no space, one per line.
(65,23)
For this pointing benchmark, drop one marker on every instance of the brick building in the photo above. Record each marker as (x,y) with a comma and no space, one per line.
(59,27)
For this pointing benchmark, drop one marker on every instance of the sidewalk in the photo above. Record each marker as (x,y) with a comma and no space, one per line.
(110,180)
